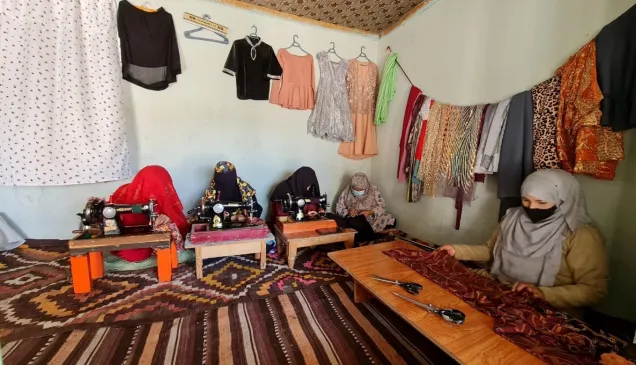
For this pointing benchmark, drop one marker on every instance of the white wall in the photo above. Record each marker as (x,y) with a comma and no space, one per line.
(472,52)
(199,121)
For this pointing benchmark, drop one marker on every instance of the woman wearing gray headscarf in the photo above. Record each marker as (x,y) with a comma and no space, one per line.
(548,246)
(361,198)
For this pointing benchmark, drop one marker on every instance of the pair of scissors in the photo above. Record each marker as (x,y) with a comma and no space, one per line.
(454,316)
(411,288)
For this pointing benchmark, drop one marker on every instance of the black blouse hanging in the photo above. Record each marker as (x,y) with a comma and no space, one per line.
(253,63)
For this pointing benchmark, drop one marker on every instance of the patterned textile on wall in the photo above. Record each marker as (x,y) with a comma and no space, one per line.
(61,115)
(36,295)
(584,146)
(530,323)
(545,99)
(320,325)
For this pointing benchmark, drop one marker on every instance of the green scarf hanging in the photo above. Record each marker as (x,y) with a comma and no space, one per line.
(387,89)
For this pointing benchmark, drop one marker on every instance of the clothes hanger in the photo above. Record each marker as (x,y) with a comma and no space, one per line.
(362,54)
(147,6)
(296,44)
(188,34)
(333,50)
(254,33)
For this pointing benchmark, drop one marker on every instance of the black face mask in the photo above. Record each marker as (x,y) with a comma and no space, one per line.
(538,215)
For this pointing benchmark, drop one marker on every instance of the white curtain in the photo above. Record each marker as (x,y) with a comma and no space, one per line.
(61,115)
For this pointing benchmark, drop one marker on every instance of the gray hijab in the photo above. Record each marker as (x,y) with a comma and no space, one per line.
(531,252)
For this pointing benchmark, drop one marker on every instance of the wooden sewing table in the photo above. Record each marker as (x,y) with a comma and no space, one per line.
(87,260)
(295,240)
(474,342)
(257,246)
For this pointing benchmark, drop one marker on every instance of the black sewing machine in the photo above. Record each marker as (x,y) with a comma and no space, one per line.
(296,205)
(104,216)
(218,215)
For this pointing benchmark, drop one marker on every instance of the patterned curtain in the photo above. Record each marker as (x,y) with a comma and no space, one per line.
(61,117)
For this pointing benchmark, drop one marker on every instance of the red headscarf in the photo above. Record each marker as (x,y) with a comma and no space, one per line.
(151,182)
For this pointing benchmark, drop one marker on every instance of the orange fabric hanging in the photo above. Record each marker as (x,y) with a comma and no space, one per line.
(583,146)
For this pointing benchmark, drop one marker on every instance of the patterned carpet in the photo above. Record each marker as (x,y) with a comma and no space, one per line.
(36,296)
(37,299)
(318,325)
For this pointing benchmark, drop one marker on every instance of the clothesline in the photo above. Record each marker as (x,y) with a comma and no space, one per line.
(388,48)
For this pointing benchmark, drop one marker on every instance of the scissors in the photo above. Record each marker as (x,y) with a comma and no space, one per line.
(411,288)
(454,316)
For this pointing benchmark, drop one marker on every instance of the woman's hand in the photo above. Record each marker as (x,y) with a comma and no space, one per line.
(367,213)
(536,292)
(450,250)
(353,212)
(161,220)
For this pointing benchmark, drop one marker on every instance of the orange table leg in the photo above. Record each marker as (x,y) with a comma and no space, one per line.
(164,265)
(80,271)
(174,258)
(96,261)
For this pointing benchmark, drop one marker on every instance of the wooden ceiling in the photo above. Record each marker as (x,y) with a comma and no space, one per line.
(363,16)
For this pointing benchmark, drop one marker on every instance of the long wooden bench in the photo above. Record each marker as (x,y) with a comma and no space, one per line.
(87,255)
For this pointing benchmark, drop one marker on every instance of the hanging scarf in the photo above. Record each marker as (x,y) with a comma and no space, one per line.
(584,147)
(416,180)
(406,125)
(387,89)
(545,101)
(231,187)
(151,182)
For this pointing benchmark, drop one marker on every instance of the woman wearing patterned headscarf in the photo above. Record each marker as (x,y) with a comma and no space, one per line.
(227,186)
(362,199)
(548,246)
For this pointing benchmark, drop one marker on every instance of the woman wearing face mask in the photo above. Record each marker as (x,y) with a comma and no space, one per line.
(362,207)
(548,246)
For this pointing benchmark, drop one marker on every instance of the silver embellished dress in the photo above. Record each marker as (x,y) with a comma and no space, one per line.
(331,117)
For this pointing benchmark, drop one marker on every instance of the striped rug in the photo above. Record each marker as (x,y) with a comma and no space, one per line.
(318,325)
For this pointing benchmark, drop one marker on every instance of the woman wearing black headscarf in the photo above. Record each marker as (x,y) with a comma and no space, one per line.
(227,186)
(302,183)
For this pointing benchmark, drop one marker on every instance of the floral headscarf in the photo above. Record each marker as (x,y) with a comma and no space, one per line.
(368,201)
(229,184)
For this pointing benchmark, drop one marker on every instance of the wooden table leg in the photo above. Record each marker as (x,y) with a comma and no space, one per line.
(360,294)
(174,257)
(164,265)
(263,254)
(81,274)
(350,242)
(279,244)
(199,262)
(291,254)
(96,262)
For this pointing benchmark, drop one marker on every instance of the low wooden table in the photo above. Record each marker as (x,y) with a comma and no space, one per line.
(256,246)
(474,342)
(87,255)
(294,241)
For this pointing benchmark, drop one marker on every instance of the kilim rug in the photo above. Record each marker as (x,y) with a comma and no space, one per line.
(36,295)
(318,325)
(37,299)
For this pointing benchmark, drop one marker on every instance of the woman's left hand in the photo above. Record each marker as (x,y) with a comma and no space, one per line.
(161,220)
(530,288)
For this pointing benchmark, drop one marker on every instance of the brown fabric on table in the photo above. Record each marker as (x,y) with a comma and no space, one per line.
(528,322)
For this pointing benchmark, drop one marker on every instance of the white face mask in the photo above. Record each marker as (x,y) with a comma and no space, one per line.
(357,193)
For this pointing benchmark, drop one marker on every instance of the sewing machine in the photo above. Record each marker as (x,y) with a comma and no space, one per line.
(218,215)
(105,217)
(295,205)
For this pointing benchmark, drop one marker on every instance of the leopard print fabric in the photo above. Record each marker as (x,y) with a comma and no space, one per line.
(545,98)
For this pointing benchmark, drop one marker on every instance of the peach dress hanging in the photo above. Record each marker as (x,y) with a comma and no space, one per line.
(295,89)
(362,85)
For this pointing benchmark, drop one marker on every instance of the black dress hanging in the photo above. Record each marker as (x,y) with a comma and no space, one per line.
(149,52)
(253,63)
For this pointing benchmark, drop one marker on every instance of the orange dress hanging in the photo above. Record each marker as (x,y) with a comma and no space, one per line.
(583,146)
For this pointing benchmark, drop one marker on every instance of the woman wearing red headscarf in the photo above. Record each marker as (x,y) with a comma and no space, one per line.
(152,182)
